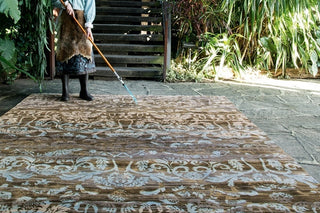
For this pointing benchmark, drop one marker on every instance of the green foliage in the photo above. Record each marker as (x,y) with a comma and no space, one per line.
(279,34)
(189,17)
(10,9)
(7,49)
(186,69)
(264,34)
(9,15)
(190,20)
(223,51)
(28,37)
(8,56)
(7,63)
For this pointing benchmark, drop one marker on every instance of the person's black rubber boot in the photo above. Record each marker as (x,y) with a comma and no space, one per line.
(84,91)
(65,87)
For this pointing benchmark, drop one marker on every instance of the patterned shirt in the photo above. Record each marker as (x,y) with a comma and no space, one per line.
(88,6)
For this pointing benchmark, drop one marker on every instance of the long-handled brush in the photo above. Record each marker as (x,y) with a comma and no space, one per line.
(103,57)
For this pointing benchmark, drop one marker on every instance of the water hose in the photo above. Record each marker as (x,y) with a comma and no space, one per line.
(103,57)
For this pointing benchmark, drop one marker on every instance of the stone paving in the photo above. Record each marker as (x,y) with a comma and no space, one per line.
(287,110)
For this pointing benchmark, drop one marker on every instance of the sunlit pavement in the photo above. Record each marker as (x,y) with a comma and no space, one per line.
(287,110)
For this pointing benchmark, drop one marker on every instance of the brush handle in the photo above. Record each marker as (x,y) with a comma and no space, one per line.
(101,54)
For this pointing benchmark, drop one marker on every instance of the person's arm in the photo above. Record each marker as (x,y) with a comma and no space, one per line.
(69,8)
(58,4)
(89,15)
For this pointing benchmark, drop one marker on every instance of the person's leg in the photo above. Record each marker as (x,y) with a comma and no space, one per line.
(65,87)
(84,90)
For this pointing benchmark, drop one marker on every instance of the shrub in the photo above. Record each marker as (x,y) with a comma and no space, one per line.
(264,34)
(23,40)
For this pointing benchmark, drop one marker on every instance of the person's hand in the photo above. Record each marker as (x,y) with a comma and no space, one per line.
(55,13)
(89,33)
(69,9)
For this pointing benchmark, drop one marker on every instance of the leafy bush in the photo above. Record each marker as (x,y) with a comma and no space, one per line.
(8,54)
(278,34)
(264,34)
(223,51)
(23,41)
(10,9)
(8,57)
(188,69)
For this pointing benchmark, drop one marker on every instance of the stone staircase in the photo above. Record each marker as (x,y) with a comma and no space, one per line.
(131,36)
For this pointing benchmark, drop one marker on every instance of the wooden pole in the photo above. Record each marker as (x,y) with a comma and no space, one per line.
(167,37)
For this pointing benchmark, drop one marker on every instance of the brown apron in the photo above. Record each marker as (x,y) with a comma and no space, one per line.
(71,40)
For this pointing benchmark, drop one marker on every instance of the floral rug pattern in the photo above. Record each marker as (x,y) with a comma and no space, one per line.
(165,154)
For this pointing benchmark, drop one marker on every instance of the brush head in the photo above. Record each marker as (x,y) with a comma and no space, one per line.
(130,93)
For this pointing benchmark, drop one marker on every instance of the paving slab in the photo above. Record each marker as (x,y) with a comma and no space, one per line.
(287,110)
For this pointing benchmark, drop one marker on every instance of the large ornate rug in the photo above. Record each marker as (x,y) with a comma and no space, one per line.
(166,154)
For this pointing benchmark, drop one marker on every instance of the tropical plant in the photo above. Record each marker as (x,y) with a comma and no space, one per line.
(265,34)
(188,68)
(9,14)
(221,51)
(277,34)
(10,9)
(23,41)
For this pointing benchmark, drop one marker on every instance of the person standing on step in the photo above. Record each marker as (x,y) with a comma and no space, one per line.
(74,52)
